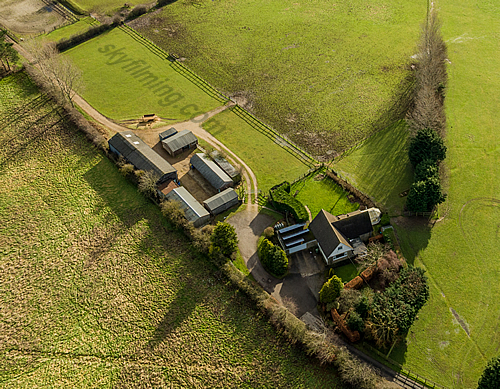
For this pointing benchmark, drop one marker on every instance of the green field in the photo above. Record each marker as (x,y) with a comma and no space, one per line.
(72,29)
(461,251)
(320,72)
(271,163)
(124,79)
(108,7)
(380,168)
(320,192)
(96,290)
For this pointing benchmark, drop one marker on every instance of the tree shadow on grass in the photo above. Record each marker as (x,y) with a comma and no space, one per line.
(413,234)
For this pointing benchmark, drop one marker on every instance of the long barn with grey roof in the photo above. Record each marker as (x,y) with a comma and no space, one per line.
(193,210)
(135,151)
(212,173)
(179,142)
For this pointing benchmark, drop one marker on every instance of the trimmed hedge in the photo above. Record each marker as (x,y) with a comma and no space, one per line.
(284,202)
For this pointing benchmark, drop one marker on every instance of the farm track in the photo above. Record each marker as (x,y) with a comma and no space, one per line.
(250,214)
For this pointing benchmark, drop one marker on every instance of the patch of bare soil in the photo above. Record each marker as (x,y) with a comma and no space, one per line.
(28,17)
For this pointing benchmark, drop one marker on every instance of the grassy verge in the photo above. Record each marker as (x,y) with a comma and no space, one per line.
(97,290)
(124,79)
(270,163)
(318,192)
(66,31)
(380,168)
(320,73)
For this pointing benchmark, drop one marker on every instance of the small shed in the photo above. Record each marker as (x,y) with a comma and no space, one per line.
(180,142)
(221,201)
(167,133)
(129,146)
(193,210)
(224,164)
(212,173)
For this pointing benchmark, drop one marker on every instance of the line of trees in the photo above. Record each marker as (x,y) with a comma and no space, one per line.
(427,119)
(8,55)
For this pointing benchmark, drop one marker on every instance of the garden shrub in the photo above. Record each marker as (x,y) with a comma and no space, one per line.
(426,145)
(147,184)
(394,311)
(273,258)
(126,169)
(269,232)
(355,322)
(362,306)
(385,220)
(330,290)
(348,298)
(284,202)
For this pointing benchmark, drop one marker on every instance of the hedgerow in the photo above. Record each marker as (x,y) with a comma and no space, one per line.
(283,201)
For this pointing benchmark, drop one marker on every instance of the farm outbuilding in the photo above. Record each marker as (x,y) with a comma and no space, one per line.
(164,189)
(129,146)
(224,164)
(221,201)
(193,210)
(167,133)
(180,142)
(212,173)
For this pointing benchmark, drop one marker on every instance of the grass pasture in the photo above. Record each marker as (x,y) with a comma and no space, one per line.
(96,290)
(124,79)
(320,192)
(380,168)
(321,73)
(78,27)
(271,163)
(107,7)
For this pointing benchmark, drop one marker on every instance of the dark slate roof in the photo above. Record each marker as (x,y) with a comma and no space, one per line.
(224,197)
(326,234)
(354,224)
(180,140)
(191,207)
(167,133)
(140,154)
(223,163)
(208,169)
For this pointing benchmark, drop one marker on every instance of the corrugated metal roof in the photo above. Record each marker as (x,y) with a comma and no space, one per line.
(191,207)
(140,154)
(208,169)
(167,133)
(220,199)
(223,163)
(180,140)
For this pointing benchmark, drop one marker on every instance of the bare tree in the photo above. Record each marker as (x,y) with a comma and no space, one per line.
(56,70)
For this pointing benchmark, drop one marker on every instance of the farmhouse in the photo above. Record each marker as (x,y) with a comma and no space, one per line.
(179,142)
(212,173)
(193,210)
(221,201)
(129,146)
(341,237)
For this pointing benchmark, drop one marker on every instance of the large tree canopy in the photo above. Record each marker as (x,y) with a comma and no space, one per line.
(426,145)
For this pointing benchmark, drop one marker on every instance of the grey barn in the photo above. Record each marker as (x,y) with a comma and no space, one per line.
(129,146)
(212,173)
(179,142)
(221,201)
(193,210)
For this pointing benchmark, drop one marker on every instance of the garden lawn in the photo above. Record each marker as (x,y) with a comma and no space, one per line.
(124,79)
(320,72)
(318,192)
(97,290)
(461,252)
(271,163)
(380,168)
